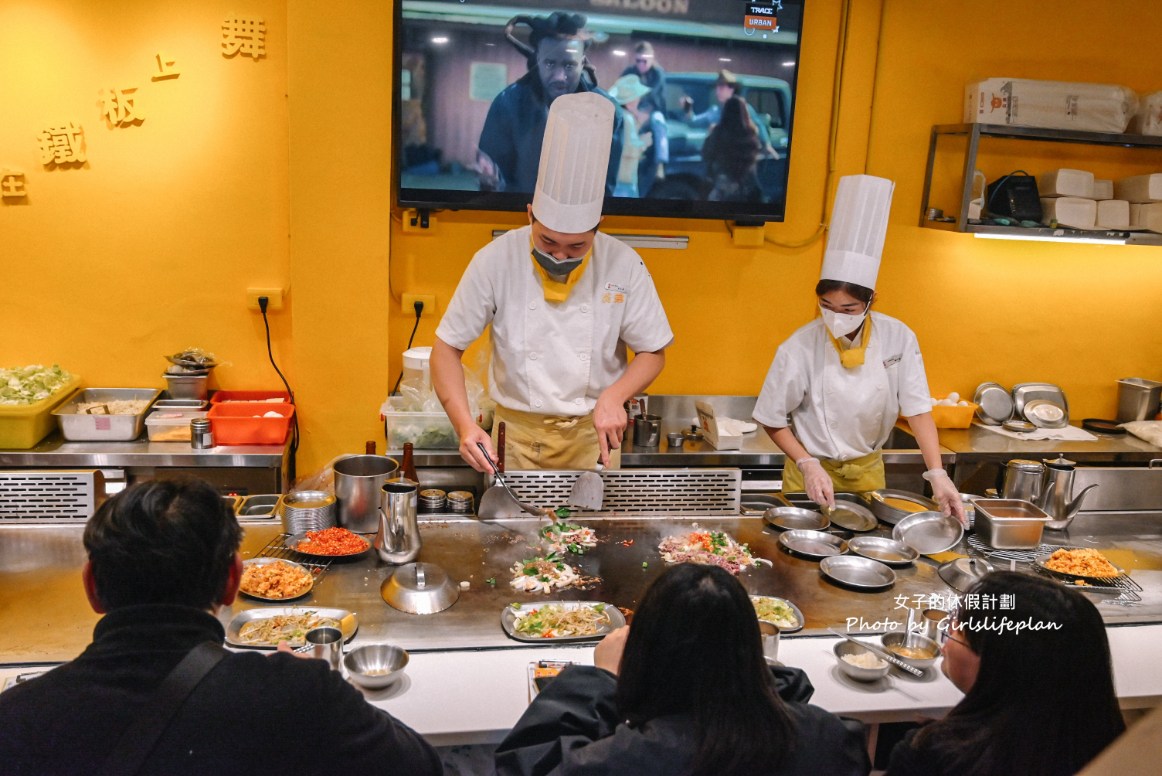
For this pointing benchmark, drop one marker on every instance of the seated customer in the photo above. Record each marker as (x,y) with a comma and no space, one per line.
(690,695)
(163,557)
(1039,700)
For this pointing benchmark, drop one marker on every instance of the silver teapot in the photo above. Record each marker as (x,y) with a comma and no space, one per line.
(1056,497)
(398,539)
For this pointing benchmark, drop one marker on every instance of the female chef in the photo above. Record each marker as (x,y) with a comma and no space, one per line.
(564,303)
(838,384)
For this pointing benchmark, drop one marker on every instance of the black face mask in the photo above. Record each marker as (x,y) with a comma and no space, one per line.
(554,266)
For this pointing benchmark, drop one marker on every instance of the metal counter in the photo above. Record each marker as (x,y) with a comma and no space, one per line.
(46,617)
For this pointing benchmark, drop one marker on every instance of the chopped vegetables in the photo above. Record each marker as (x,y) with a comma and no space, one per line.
(775,610)
(543,573)
(556,621)
(715,548)
(569,537)
(30,384)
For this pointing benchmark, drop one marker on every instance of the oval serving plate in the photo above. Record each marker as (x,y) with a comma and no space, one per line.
(514,612)
(292,544)
(795,518)
(853,517)
(1039,562)
(267,561)
(857,573)
(815,545)
(929,532)
(789,628)
(994,405)
(883,549)
(348,623)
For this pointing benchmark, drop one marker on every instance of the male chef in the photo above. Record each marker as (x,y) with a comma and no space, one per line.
(565,303)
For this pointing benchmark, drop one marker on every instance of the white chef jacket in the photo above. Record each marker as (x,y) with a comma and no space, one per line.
(555,358)
(840,413)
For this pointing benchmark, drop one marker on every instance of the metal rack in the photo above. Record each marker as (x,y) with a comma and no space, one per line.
(1130,590)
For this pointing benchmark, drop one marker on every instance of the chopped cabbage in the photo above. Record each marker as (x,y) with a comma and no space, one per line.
(30,384)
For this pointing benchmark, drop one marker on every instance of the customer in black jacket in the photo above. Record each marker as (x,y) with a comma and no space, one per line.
(163,556)
(684,690)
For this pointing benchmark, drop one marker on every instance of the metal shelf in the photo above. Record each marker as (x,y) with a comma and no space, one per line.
(974,133)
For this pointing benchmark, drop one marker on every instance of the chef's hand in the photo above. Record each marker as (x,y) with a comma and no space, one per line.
(607,655)
(610,420)
(817,482)
(946,495)
(471,453)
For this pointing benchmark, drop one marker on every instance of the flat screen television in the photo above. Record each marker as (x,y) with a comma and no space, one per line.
(705,91)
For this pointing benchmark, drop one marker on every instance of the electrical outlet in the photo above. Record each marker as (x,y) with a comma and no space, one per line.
(274,297)
(409,304)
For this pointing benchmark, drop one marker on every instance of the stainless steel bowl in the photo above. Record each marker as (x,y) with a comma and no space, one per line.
(793,518)
(419,588)
(859,673)
(929,532)
(912,641)
(376,666)
(883,504)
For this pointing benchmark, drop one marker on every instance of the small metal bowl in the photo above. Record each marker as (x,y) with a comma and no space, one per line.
(795,518)
(859,673)
(929,532)
(899,639)
(376,666)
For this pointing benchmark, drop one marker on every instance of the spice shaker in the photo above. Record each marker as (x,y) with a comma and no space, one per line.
(201,434)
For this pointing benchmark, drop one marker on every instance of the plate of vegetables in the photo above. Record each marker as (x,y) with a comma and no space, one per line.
(560,621)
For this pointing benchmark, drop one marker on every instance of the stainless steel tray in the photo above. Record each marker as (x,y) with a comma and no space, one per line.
(76,427)
(798,626)
(815,545)
(348,623)
(511,613)
(266,561)
(858,573)
(883,549)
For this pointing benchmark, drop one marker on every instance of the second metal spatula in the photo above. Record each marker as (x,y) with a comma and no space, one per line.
(589,489)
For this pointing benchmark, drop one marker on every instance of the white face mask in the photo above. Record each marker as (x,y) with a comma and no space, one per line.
(842,324)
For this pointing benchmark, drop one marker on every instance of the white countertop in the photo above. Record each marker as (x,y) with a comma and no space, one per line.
(475,696)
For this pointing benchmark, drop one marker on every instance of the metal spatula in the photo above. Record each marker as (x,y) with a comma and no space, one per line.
(589,489)
(500,501)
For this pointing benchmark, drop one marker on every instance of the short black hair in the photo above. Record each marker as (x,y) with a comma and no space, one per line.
(167,541)
(694,648)
(862,293)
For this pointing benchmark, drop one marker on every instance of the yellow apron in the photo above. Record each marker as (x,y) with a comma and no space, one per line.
(858,475)
(534,441)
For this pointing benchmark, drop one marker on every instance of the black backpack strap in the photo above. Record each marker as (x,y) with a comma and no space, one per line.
(139,739)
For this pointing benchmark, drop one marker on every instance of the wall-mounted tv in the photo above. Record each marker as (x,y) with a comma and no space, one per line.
(705,91)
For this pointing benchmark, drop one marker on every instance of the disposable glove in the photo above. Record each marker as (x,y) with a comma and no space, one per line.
(946,495)
(817,482)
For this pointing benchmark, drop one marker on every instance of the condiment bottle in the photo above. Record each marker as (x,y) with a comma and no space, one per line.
(369,447)
(408,468)
(201,434)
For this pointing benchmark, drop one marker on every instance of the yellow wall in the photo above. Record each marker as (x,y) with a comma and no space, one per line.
(277,172)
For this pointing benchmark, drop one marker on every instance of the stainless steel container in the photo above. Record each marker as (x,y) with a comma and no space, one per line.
(187,386)
(647,431)
(1138,399)
(101,427)
(398,538)
(1009,524)
(358,483)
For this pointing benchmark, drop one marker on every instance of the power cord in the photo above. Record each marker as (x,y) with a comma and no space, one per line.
(263,303)
(419,308)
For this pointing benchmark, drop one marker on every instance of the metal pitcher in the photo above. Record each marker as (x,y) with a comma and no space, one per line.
(1056,494)
(1022,480)
(398,539)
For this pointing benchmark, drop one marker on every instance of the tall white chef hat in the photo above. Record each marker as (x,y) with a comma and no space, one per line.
(859,223)
(574,160)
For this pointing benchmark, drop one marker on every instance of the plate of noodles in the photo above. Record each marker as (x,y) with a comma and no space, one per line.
(1078,564)
(560,621)
(264,628)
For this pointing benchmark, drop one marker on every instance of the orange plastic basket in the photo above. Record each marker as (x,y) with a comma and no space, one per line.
(243,423)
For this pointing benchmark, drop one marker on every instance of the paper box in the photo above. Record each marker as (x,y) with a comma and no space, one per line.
(712,431)
(1065,183)
(1050,104)
(1073,212)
